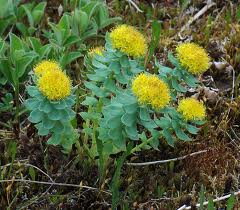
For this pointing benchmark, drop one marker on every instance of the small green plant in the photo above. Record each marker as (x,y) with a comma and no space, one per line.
(34,15)
(13,12)
(51,105)
(68,36)
(15,62)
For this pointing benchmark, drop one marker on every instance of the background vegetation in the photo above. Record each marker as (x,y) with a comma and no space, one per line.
(34,30)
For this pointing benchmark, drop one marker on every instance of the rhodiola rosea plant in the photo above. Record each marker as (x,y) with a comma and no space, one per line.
(130,109)
(51,100)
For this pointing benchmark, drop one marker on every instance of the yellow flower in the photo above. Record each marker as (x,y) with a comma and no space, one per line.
(55,85)
(96,51)
(45,66)
(192,109)
(193,57)
(149,89)
(128,40)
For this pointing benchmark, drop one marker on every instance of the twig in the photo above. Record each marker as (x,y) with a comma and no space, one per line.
(54,183)
(134,5)
(28,165)
(166,161)
(182,207)
(196,16)
(206,202)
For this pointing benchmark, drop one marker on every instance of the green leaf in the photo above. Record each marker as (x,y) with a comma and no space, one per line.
(32,104)
(113,110)
(163,70)
(155,37)
(128,119)
(230,202)
(58,127)
(155,141)
(177,86)
(32,173)
(27,8)
(35,116)
(54,115)
(33,91)
(115,133)
(199,122)
(201,197)
(98,65)
(164,122)
(115,67)
(192,129)
(91,8)
(110,85)
(109,21)
(122,79)
(15,45)
(89,101)
(42,131)
(168,137)
(179,133)
(60,105)
(210,204)
(96,90)
(90,116)
(132,132)
(38,12)
(114,122)
(47,123)
(173,60)
(55,139)
(22,28)
(81,19)
(144,114)
(22,64)
(149,124)
(190,80)
(124,61)
(69,58)
(130,108)
(70,101)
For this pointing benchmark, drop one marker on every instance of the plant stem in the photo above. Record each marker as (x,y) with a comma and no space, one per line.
(17,109)
(116,178)
(138,147)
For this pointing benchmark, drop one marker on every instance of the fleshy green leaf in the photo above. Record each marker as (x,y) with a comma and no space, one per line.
(192,129)
(32,104)
(45,107)
(144,114)
(89,101)
(35,116)
(130,108)
(42,131)
(132,132)
(47,123)
(55,139)
(128,119)
(54,115)
(33,91)
(168,137)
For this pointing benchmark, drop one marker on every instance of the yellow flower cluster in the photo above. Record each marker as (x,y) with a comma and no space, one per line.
(128,40)
(96,51)
(45,66)
(193,57)
(55,85)
(151,90)
(192,109)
